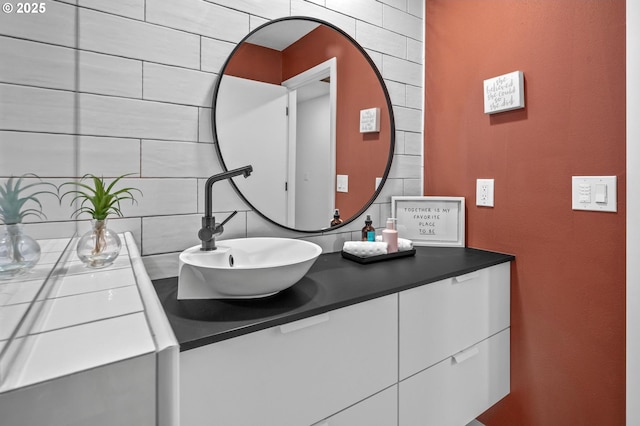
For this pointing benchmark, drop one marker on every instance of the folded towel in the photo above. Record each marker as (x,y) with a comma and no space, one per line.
(403,243)
(365,248)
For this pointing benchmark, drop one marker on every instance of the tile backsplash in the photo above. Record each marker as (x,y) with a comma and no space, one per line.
(125,86)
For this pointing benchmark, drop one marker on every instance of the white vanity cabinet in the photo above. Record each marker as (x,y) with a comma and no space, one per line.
(380,409)
(432,355)
(454,348)
(294,374)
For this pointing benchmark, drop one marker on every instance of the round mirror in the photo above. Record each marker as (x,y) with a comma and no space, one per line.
(302,103)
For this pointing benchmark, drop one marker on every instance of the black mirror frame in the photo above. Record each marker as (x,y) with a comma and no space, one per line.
(392,127)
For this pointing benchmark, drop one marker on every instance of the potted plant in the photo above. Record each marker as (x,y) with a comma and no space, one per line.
(18,251)
(99,247)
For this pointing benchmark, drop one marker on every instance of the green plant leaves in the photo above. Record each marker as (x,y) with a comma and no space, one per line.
(97,199)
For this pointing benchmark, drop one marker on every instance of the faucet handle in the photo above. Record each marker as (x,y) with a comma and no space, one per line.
(220,225)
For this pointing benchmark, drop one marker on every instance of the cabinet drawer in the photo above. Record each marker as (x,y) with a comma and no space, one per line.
(442,318)
(458,389)
(295,374)
(380,409)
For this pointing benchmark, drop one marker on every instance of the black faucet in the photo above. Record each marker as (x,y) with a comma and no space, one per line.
(210,228)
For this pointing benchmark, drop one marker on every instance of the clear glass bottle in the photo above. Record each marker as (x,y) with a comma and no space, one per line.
(368,232)
(100,246)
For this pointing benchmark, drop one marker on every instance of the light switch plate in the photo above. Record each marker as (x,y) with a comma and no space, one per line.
(594,193)
(484,192)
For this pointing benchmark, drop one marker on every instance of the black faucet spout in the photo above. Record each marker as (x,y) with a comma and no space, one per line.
(210,228)
(208,196)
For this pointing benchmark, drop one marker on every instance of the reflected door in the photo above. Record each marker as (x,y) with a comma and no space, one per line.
(255,118)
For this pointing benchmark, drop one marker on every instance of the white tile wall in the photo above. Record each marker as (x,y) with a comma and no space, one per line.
(199,17)
(36,64)
(38,110)
(146,74)
(110,75)
(399,21)
(189,87)
(266,9)
(344,22)
(381,40)
(408,119)
(160,159)
(363,10)
(116,35)
(214,54)
(398,4)
(114,116)
(130,8)
(56,26)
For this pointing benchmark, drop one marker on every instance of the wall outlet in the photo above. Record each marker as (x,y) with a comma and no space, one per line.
(484,192)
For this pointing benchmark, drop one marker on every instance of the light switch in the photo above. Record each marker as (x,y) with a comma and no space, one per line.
(601,193)
(596,193)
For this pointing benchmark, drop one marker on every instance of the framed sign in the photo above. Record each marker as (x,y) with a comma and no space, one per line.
(504,93)
(430,221)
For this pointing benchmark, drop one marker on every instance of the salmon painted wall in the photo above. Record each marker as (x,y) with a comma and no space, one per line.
(257,63)
(568,282)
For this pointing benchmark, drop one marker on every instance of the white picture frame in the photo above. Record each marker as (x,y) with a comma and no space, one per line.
(430,221)
(504,92)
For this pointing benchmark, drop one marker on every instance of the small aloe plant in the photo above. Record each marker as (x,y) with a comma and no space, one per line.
(99,247)
(99,200)
(14,199)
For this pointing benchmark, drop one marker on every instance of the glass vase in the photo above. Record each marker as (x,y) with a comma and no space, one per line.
(100,246)
(18,251)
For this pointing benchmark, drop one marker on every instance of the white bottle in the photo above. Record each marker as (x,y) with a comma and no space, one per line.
(390,236)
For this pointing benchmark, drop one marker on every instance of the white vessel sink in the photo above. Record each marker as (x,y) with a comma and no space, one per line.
(244,268)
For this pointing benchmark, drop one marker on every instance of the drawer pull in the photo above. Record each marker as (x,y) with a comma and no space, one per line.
(467,277)
(304,323)
(462,356)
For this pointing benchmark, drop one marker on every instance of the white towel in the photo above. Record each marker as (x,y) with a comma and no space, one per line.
(403,243)
(365,248)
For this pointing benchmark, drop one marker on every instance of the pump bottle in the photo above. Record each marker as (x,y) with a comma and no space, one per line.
(390,236)
(336,218)
(368,232)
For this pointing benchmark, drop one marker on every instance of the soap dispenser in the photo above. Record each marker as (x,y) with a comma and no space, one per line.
(336,218)
(390,236)
(368,232)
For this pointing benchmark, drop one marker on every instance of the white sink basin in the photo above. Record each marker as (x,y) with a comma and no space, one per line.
(244,268)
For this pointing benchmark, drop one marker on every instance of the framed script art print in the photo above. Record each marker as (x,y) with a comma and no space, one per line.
(430,221)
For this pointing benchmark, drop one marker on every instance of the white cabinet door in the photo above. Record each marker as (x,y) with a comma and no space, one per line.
(122,393)
(442,318)
(295,374)
(459,388)
(380,409)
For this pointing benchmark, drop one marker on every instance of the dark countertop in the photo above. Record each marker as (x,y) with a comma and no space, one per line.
(332,282)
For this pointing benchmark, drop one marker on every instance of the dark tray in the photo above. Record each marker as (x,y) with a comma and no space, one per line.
(379,258)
